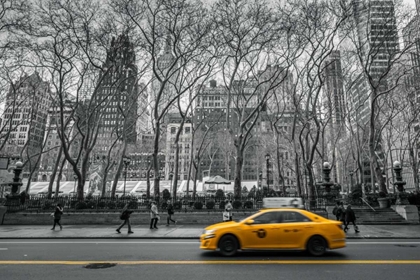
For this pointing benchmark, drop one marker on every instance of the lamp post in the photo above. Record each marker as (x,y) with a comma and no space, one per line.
(267,158)
(401,196)
(16,184)
(126,161)
(326,170)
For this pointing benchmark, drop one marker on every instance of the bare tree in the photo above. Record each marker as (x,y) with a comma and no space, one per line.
(249,32)
(178,29)
(374,39)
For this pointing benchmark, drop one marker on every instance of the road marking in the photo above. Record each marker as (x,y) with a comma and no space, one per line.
(102,242)
(381,243)
(221,262)
(196,242)
(3,249)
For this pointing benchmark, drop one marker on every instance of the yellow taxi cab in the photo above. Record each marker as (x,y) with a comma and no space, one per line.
(275,229)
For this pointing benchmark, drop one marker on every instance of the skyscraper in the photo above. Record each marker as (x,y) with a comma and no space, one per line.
(334,92)
(377,46)
(117,95)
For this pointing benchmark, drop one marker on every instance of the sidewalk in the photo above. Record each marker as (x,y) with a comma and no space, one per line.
(178,232)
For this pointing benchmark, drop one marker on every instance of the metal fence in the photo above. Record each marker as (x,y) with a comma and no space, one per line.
(182,203)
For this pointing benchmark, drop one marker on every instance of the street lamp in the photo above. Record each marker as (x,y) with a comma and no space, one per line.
(126,161)
(401,196)
(267,158)
(326,170)
(16,184)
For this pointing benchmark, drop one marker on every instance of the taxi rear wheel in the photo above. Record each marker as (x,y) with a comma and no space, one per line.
(228,245)
(317,246)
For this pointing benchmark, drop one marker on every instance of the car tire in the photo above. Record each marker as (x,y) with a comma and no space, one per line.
(317,246)
(228,245)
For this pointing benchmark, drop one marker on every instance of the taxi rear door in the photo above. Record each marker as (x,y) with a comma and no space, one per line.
(294,230)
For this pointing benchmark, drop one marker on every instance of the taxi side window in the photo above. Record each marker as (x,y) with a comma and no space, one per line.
(294,217)
(268,218)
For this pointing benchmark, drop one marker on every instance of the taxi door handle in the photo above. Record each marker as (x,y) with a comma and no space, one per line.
(286,230)
(309,227)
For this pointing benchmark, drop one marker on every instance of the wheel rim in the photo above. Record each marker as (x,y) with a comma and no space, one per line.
(228,246)
(318,245)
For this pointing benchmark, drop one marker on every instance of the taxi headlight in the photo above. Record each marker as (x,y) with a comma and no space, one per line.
(209,231)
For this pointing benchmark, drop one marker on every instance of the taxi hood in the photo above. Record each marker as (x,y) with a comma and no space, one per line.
(221,225)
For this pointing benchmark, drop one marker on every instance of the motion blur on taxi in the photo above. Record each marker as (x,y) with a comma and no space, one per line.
(285,228)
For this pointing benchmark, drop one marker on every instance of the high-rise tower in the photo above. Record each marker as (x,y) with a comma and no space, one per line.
(117,94)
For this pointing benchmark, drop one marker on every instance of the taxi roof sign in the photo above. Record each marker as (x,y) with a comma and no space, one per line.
(283,202)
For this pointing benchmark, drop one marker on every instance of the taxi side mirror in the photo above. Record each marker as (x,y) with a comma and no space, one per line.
(249,222)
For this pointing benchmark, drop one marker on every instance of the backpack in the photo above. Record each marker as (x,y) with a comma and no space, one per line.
(335,211)
(123,215)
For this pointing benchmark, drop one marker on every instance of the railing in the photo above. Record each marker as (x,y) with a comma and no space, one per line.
(135,203)
(367,203)
(182,203)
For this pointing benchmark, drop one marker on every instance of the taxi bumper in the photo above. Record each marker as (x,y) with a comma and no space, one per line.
(208,242)
(336,243)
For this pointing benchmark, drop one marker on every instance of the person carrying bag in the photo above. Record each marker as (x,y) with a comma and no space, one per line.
(227,214)
(125,216)
(170,209)
(57,216)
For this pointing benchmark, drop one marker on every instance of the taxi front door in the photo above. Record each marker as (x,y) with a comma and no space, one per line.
(263,234)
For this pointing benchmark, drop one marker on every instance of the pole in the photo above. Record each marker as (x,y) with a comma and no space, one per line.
(268,173)
(125,178)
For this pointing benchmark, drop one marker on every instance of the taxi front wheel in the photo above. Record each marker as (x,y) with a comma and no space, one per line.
(316,246)
(228,245)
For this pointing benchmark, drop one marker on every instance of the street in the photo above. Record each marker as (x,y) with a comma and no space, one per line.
(181,259)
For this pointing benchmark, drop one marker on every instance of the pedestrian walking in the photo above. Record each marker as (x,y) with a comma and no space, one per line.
(342,214)
(338,211)
(170,209)
(154,216)
(57,216)
(125,216)
(227,215)
(350,218)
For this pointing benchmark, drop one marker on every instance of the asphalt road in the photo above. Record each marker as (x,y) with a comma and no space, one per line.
(182,259)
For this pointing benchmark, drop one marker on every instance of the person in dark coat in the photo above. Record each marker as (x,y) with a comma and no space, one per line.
(57,216)
(350,218)
(125,216)
(342,214)
(170,209)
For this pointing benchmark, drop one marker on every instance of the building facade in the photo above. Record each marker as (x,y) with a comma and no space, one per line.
(117,96)
(26,109)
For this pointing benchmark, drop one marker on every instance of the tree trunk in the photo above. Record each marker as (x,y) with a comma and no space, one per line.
(156,193)
(54,172)
(176,168)
(148,180)
(60,173)
(298,181)
(238,172)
